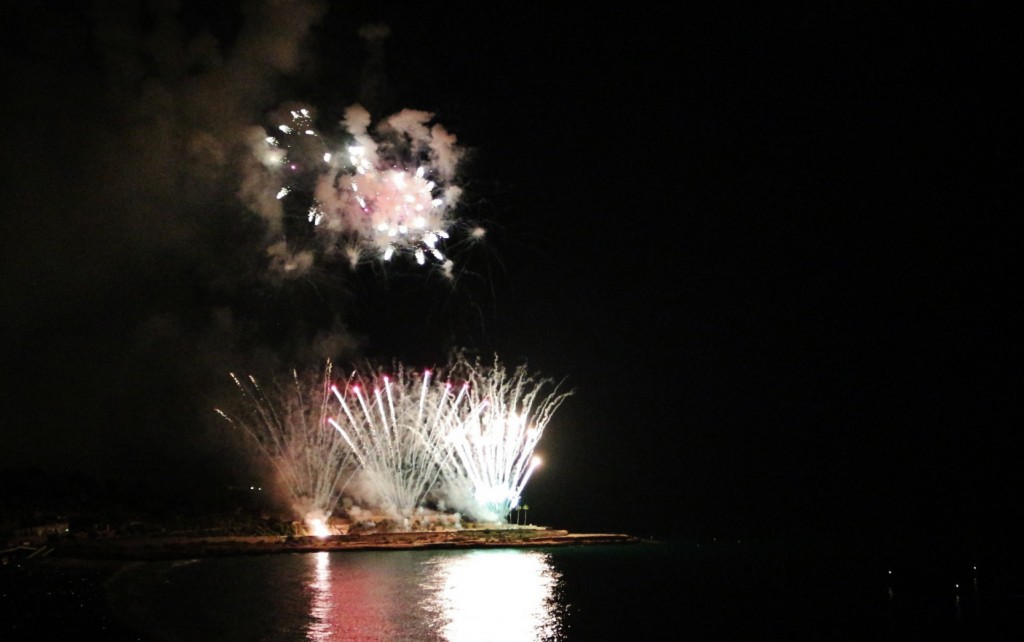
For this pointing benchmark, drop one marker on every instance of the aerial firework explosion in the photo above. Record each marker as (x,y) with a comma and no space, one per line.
(379,195)
(467,441)
(287,424)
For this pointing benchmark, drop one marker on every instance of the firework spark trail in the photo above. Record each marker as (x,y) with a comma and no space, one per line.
(416,438)
(397,435)
(494,446)
(286,424)
(384,195)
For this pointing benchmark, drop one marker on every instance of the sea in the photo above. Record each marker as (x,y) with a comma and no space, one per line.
(709,590)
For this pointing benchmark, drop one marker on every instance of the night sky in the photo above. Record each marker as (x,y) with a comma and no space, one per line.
(773,251)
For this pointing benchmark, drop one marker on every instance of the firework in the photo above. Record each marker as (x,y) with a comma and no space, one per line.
(396,426)
(379,195)
(494,444)
(467,441)
(286,423)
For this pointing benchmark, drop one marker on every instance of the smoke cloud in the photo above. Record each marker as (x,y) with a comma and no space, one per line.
(144,237)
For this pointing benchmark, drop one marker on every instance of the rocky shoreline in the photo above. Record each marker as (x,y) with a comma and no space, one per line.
(186,547)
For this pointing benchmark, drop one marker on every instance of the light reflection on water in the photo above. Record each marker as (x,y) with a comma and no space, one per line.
(321,606)
(493,595)
(475,595)
(570,593)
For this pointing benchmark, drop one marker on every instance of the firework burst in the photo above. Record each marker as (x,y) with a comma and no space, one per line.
(381,194)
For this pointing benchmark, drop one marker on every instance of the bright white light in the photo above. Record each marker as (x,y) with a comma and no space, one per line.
(317,527)
(495,595)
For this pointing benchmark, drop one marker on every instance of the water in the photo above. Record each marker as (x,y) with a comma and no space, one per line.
(576,593)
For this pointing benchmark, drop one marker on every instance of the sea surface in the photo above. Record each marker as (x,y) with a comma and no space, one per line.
(651,591)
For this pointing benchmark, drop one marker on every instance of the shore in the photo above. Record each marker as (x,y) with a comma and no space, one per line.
(186,547)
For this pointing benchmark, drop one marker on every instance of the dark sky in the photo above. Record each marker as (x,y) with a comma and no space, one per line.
(774,251)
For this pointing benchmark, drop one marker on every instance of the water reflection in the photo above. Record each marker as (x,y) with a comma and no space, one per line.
(453,595)
(493,595)
(320,626)
(359,597)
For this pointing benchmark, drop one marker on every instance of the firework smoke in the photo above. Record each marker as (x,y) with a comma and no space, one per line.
(288,425)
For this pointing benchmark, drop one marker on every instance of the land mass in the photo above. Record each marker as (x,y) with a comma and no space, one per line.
(185,547)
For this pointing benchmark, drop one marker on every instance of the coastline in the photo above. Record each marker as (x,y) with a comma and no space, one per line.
(187,547)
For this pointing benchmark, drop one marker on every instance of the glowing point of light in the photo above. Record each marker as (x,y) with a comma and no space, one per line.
(285,128)
(420,258)
(389,252)
(318,528)
(327,157)
(282,193)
